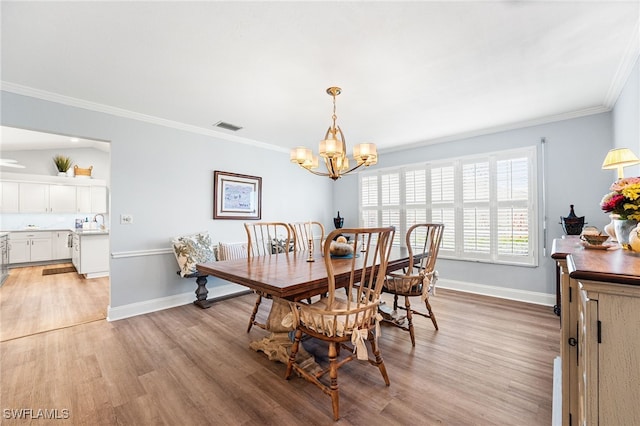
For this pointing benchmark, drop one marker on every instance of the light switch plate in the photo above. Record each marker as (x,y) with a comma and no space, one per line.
(126,219)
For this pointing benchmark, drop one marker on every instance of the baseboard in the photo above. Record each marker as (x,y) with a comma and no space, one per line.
(229,290)
(139,308)
(500,292)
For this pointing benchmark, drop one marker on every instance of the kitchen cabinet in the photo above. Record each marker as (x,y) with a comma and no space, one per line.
(91,253)
(91,199)
(29,247)
(61,245)
(99,199)
(83,199)
(34,197)
(62,199)
(9,197)
(68,196)
(44,198)
(4,257)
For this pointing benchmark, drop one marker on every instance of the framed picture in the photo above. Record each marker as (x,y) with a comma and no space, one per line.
(236,196)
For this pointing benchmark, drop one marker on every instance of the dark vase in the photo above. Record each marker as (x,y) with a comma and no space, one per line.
(338,221)
(572,224)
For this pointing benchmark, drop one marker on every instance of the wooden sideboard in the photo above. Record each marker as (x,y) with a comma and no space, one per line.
(600,334)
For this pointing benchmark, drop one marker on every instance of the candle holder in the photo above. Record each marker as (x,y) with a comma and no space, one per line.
(362,247)
(310,257)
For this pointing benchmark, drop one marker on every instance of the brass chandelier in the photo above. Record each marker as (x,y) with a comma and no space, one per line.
(333,150)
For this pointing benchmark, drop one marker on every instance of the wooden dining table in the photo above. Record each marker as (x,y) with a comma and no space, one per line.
(287,277)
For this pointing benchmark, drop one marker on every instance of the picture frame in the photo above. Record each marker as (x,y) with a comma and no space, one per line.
(236,196)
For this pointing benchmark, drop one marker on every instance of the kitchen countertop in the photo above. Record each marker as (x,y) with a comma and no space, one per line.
(78,231)
(91,231)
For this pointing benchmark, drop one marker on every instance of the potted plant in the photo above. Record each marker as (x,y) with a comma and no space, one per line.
(62,164)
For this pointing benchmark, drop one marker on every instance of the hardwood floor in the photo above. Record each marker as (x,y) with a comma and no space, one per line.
(491,363)
(32,303)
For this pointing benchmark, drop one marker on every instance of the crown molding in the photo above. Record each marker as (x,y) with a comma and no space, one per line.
(503,128)
(631,55)
(119,112)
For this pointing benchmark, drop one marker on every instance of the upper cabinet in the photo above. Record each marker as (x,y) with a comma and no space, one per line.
(34,198)
(64,197)
(99,199)
(9,197)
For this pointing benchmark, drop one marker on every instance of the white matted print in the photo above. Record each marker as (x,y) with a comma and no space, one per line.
(236,196)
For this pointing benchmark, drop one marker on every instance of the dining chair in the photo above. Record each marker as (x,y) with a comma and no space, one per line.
(345,322)
(266,239)
(303,231)
(419,279)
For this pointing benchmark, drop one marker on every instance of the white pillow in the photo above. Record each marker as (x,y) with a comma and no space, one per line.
(191,250)
(229,251)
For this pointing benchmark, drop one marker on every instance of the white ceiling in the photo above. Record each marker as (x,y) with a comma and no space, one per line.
(411,72)
(20,139)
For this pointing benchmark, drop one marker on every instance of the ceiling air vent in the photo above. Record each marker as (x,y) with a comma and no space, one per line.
(227,126)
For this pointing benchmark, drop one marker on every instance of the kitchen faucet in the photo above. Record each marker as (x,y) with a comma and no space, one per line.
(96,217)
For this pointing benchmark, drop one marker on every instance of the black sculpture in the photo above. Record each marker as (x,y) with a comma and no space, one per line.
(572,224)
(338,221)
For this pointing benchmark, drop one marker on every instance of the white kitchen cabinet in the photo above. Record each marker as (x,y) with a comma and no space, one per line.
(29,247)
(62,199)
(34,197)
(9,197)
(83,199)
(47,194)
(91,254)
(45,198)
(61,245)
(99,199)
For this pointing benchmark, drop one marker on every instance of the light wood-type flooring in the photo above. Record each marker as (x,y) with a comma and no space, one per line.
(33,303)
(491,363)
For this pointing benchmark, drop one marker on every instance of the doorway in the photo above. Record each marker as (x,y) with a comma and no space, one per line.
(49,295)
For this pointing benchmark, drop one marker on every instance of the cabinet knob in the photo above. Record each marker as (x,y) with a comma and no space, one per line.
(572,341)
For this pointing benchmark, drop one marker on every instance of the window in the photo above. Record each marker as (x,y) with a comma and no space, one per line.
(487,204)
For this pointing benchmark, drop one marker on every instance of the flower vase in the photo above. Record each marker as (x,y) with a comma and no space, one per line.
(623,228)
(610,228)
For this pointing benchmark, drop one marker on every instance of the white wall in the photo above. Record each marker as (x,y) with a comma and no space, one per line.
(164,178)
(626,118)
(574,153)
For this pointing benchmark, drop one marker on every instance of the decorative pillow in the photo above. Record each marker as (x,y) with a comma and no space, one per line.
(191,250)
(229,251)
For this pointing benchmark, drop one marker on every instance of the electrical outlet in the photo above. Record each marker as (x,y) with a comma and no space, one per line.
(126,219)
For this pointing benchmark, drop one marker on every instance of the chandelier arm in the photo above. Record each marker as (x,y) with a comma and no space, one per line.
(315,173)
(329,163)
(353,168)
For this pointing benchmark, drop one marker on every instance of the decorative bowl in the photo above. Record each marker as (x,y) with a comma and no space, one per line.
(340,249)
(594,240)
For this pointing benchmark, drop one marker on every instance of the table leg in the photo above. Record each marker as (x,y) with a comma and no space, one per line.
(277,346)
(201,293)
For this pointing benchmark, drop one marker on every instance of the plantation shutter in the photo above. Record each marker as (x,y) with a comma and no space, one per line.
(512,178)
(442,207)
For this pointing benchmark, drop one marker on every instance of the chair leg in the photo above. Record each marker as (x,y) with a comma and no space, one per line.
(292,356)
(431,315)
(252,320)
(333,377)
(378,357)
(407,305)
(395,302)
